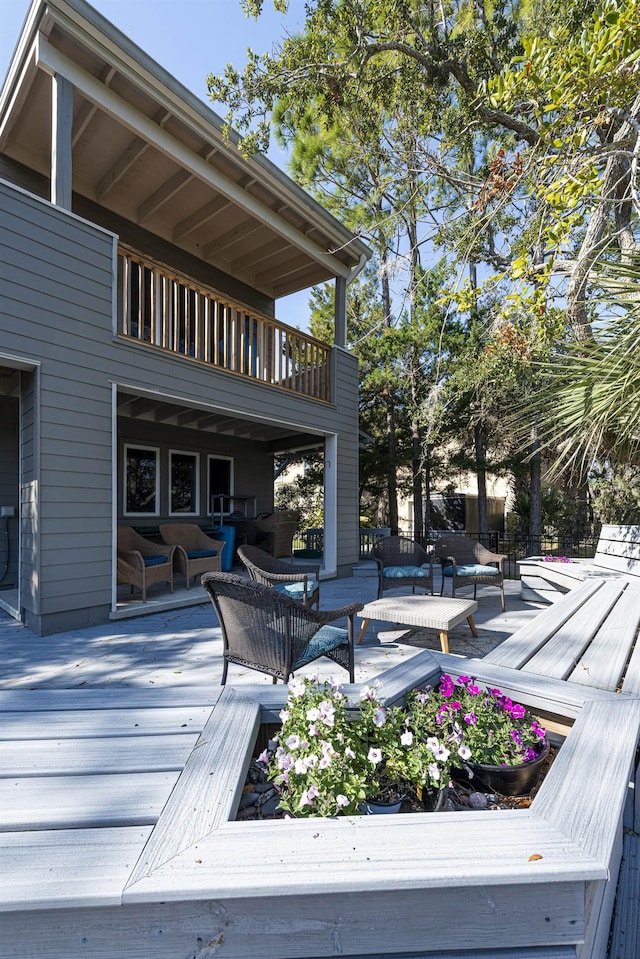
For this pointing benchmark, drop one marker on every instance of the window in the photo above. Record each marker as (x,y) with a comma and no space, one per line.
(141,481)
(220,485)
(184,493)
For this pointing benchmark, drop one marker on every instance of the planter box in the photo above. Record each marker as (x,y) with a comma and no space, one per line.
(514,884)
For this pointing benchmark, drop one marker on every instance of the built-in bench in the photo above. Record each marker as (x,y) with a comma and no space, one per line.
(590,637)
(617,555)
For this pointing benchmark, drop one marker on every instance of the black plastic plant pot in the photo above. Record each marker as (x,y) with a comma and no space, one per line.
(506,780)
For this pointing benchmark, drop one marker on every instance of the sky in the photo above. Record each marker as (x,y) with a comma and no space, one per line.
(190,39)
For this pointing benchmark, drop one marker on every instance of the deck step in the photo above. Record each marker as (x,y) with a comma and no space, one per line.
(625,930)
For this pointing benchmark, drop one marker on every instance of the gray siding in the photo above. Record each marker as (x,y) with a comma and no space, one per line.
(57,310)
(9,490)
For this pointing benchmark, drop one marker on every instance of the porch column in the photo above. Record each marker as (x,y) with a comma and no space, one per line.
(330,548)
(61,128)
(340,313)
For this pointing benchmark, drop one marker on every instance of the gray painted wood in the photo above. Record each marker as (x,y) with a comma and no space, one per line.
(320,926)
(562,651)
(215,775)
(608,654)
(527,640)
(625,931)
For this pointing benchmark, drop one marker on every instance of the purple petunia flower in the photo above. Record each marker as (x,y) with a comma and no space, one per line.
(446,685)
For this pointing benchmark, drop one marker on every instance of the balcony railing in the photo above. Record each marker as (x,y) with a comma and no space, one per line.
(174,314)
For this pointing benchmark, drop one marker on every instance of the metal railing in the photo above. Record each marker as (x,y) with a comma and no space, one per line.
(172,313)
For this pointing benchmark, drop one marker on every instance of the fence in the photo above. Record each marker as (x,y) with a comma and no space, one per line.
(514,546)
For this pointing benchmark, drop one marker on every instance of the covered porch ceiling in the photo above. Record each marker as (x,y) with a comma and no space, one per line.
(276,437)
(146,149)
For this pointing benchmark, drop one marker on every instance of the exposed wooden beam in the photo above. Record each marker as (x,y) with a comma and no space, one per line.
(200,217)
(88,110)
(261,254)
(163,194)
(125,161)
(231,237)
(54,61)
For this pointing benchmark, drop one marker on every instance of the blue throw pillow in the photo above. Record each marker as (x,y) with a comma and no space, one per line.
(201,553)
(402,572)
(296,590)
(471,569)
(155,560)
(327,638)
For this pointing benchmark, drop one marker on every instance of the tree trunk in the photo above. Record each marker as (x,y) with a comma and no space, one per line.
(417,468)
(481,474)
(535,496)
(392,483)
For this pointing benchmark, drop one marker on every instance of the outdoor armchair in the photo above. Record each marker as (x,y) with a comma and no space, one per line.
(299,581)
(402,562)
(196,553)
(467,563)
(264,630)
(140,563)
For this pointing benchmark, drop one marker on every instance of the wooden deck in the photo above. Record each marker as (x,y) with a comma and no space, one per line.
(117,820)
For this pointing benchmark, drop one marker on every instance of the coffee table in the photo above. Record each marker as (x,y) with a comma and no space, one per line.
(431,612)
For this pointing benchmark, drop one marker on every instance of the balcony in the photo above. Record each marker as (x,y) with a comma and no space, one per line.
(169,312)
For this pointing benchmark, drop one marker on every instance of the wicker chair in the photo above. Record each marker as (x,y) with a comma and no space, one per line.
(196,553)
(140,563)
(402,562)
(467,563)
(269,632)
(280,528)
(301,582)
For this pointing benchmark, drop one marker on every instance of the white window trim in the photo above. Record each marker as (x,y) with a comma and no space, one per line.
(147,449)
(196,456)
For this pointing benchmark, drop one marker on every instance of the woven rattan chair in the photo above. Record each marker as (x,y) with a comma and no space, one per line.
(301,582)
(196,553)
(402,562)
(468,563)
(141,563)
(264,630)
(279,528)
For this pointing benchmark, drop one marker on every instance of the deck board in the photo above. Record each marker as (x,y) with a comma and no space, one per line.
(73,802)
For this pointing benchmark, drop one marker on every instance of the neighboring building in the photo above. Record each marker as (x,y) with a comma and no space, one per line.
(142,369)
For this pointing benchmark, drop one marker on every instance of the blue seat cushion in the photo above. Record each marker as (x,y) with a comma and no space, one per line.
(155,560)
(471,569)
(201,553)
(402,572)
(326,639)
(296,590)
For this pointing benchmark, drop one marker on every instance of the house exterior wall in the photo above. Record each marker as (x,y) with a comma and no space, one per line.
(57,274)
(58,311)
